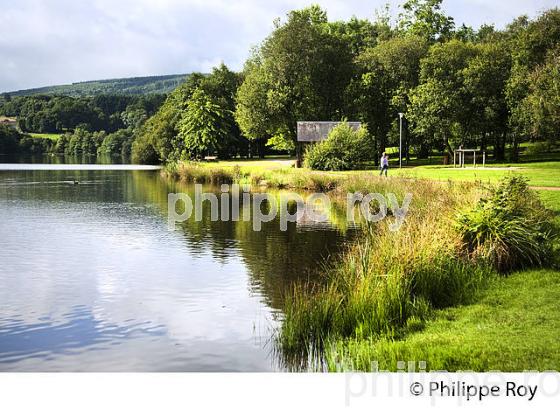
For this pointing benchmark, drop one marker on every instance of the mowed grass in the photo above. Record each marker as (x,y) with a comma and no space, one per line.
(551,199)
(513,327)
(53,137)
(542,174)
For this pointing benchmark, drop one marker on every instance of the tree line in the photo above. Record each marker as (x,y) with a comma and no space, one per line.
(484,88)
(58,114)
(104,124)
(79,143)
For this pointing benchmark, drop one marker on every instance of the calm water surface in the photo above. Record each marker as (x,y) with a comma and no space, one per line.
(91,279)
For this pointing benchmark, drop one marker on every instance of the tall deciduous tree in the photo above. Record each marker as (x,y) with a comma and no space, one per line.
(440,107)
(157,140)
(531,41)
(424,18)
(485,79)
(202,127)
(302,69)
(541,107)
(387,75)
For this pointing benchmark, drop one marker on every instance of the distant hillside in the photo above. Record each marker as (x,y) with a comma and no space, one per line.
(129,86)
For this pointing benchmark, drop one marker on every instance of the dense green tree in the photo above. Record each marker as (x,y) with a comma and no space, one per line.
(541,106)
(485,79)
(157,140)
(9,138)
(531,42)
(387,74)
(221,86)
(425,19)
(440,108)
(251,112)
(303,69)
(202,127)
(118,143)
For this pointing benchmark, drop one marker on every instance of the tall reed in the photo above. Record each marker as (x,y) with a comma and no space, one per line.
(387,280)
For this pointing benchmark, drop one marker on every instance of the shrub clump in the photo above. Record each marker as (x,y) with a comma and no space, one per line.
(343,149)
(509,227)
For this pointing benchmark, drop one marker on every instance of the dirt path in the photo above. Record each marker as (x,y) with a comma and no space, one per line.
(545,188)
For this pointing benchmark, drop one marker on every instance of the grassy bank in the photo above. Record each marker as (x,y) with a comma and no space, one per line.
(390,285)
(273,174)
(512,327)
(388,282)
(279,172)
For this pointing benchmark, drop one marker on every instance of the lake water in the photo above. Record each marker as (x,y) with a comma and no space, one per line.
(92,279)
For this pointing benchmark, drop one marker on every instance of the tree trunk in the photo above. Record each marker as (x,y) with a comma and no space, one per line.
(376,156)
(261,147)
(423,151)
(448,151)
(515,149)
(499,147)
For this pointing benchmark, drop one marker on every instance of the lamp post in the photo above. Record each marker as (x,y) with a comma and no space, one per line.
(401,115)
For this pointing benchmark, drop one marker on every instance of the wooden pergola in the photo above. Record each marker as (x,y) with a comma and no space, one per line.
(459,157)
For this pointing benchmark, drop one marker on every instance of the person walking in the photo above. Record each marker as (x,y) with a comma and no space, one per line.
(384,164)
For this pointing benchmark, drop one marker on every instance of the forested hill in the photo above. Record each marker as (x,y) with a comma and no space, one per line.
(162,84)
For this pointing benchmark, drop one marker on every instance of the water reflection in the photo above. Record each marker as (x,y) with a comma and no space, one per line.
(91,278)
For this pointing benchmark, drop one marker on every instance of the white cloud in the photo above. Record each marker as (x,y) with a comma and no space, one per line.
(62,41)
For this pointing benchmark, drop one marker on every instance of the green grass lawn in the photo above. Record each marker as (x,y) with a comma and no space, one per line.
(551,199)
(53,137)
(514,326)
(544,174)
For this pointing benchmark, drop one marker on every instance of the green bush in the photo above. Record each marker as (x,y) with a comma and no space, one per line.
(14,142)
(9,139)
(30,145)
(510,227)
(540,147)
(117,143)
(143,151)
(343,149)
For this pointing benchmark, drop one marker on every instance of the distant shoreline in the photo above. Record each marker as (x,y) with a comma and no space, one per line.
(78,167)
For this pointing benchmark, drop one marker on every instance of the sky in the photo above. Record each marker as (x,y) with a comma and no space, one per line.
(53,42)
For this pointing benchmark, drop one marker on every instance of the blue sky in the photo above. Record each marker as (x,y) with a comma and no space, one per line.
(61,41)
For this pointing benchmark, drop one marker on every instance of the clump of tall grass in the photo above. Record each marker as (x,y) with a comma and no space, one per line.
(509,227)
(273,178)
(192,172)
(387,280)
